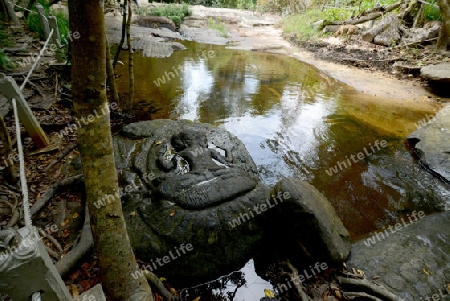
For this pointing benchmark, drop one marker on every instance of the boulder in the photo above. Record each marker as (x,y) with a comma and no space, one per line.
(313,221)
(155,22)
(385,32)
(438,77)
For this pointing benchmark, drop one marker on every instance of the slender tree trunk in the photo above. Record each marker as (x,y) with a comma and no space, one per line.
(8,153)
(130,60)
(110,79)
(122,39)
(112,245)
(444,35)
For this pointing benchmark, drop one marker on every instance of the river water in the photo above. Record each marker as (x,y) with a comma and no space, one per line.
(296,122)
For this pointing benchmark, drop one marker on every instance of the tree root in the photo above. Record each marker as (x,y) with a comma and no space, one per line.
(154,280)
(363,284)
(360,296)
(84,246)
(50,193)
(60,156)
(293,274)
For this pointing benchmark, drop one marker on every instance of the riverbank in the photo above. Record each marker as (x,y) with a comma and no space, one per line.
(248,30)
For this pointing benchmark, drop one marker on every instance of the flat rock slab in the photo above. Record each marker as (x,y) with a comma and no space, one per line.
(438,73)
(432,143)
(413,262)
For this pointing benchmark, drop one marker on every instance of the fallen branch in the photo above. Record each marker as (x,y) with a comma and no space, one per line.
(50,193)
(370,287)
(154,280)
(416,42)
(84,246)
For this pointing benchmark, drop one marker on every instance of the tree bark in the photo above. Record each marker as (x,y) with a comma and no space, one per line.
(110,79)
(130,60)
(122,39)
(443,43)
(111,243)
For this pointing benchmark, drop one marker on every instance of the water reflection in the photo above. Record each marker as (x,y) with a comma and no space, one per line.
(295,122)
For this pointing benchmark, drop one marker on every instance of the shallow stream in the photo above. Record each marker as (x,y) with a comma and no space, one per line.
(296,122)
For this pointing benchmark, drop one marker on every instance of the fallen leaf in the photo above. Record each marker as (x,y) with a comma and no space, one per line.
(162,279)
(268,293)
(75,215)
(75,292)
(426,272)
(197,299)
(376,277)
(173,291)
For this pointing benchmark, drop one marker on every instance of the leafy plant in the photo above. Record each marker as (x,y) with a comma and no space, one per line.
(218,25)
(174,12)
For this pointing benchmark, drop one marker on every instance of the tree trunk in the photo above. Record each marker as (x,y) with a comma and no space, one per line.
(111,243)
(444,35)
(130,60)
(122,39)
(110,79)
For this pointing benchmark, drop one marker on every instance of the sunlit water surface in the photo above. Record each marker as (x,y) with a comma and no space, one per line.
(296,122)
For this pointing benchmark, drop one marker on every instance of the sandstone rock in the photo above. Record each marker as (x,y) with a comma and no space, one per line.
(413,263)
(439,73)
(313,221)
(155,22)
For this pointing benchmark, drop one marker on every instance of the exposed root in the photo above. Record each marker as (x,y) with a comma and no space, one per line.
(293,274)
(84,246)
(369,287)
(154,280)
(50,193)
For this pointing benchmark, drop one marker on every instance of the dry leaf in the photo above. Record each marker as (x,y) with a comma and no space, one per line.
(426,272)
(268,293)
(173,291)
(173,213)
(197,299)
(75,215)
(75,292)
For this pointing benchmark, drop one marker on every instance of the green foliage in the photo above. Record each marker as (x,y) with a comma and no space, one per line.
(431,13)
(335,14)
(246,4)
(218,25)
(5,62)
(299,26)
(5,41)
(174,12)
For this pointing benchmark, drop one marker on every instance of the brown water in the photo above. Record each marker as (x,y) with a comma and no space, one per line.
(295,122)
